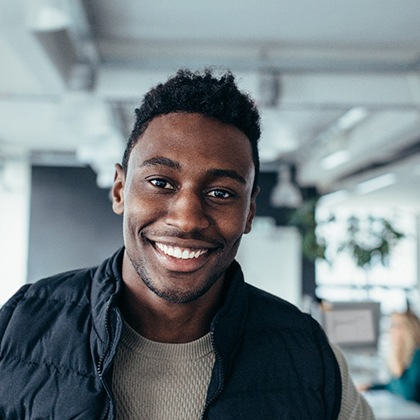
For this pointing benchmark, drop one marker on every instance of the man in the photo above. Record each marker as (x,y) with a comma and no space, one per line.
(167,328)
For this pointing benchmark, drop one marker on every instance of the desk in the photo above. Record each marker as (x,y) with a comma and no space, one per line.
(387,406)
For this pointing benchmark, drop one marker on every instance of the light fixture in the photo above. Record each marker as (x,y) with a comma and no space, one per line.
(48,15)
(351,118)
(269,88)
(335,159)
(285,192)
(334,197)
(376,183)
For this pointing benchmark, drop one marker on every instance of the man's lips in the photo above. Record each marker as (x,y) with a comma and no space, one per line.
(179,259)
(182,253)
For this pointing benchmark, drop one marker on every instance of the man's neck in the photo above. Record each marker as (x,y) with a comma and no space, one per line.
(159,320)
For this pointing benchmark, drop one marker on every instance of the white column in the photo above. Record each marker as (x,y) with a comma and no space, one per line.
(14,224)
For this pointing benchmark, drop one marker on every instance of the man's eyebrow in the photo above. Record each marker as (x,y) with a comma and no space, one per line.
(221,173)
(161,161)
(216,173)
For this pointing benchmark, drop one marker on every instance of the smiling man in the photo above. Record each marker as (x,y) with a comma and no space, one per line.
(167,328)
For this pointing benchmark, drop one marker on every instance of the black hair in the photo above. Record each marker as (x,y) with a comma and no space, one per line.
(203,93)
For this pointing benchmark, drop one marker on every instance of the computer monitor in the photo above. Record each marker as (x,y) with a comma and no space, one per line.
(353,326)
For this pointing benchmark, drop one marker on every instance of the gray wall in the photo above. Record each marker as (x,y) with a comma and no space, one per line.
(72,224)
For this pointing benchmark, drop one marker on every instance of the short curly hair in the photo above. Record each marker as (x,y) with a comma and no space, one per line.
(203,93)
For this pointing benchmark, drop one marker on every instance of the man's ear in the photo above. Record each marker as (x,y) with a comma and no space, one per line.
(118,190)
(252,210)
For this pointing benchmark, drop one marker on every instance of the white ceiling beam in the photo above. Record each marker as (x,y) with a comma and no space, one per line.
(246,54)
(376,91)
(41,62)
(376,140)
(27,60)
(30,70)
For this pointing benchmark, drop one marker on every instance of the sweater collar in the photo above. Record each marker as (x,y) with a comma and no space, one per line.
(227,324)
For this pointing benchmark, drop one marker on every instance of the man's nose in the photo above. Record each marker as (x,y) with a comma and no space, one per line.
(187,212)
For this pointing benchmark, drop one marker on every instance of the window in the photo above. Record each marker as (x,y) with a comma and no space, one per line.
(392,284)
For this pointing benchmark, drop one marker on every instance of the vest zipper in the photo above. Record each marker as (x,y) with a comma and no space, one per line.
(101,361)
(100,364)
(221,378)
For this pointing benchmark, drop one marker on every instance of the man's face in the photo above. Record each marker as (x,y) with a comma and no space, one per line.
(187,200)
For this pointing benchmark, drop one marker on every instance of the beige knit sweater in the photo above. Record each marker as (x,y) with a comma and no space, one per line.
(162,381)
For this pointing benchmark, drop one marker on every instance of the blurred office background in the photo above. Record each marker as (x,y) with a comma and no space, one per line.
(338,85)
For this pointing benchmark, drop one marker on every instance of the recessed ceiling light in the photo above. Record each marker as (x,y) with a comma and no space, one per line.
(351,118)
(335,159)
(376,183)
(334,197)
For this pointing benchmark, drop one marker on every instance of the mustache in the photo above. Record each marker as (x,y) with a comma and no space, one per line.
(175,233)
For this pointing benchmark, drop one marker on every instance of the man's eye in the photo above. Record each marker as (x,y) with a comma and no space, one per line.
(220,194)
(161,183)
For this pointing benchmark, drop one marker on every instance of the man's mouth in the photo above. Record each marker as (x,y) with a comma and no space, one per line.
(179,252)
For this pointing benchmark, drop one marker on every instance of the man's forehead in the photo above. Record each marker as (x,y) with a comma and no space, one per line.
(203,130)
(189,138)
(194,118)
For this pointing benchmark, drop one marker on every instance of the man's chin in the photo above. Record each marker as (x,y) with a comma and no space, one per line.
(179,296)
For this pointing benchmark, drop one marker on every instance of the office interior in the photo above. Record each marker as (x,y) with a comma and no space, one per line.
(338,86)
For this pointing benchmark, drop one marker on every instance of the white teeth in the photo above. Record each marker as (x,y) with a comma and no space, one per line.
(180,253)
(185,255)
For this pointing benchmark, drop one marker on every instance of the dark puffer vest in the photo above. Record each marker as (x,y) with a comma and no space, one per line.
(59,337)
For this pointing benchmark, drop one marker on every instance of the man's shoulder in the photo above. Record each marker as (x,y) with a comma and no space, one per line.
(67,296)
(76,285)
(48,297)
(264,298)
(71,285)
(269,306)
(44,335)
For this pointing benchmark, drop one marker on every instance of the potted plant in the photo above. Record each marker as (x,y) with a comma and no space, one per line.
(368,240)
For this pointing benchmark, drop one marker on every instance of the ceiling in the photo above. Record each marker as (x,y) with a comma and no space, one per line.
(343,78)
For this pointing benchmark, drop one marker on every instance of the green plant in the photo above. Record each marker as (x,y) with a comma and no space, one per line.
(368,240)
(313,246)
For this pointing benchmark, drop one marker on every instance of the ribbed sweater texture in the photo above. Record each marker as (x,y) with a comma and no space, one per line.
(161,381)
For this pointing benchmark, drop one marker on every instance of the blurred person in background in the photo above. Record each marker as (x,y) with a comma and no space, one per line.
(404,357)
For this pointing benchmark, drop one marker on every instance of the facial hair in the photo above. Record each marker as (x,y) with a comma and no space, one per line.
(174,296)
